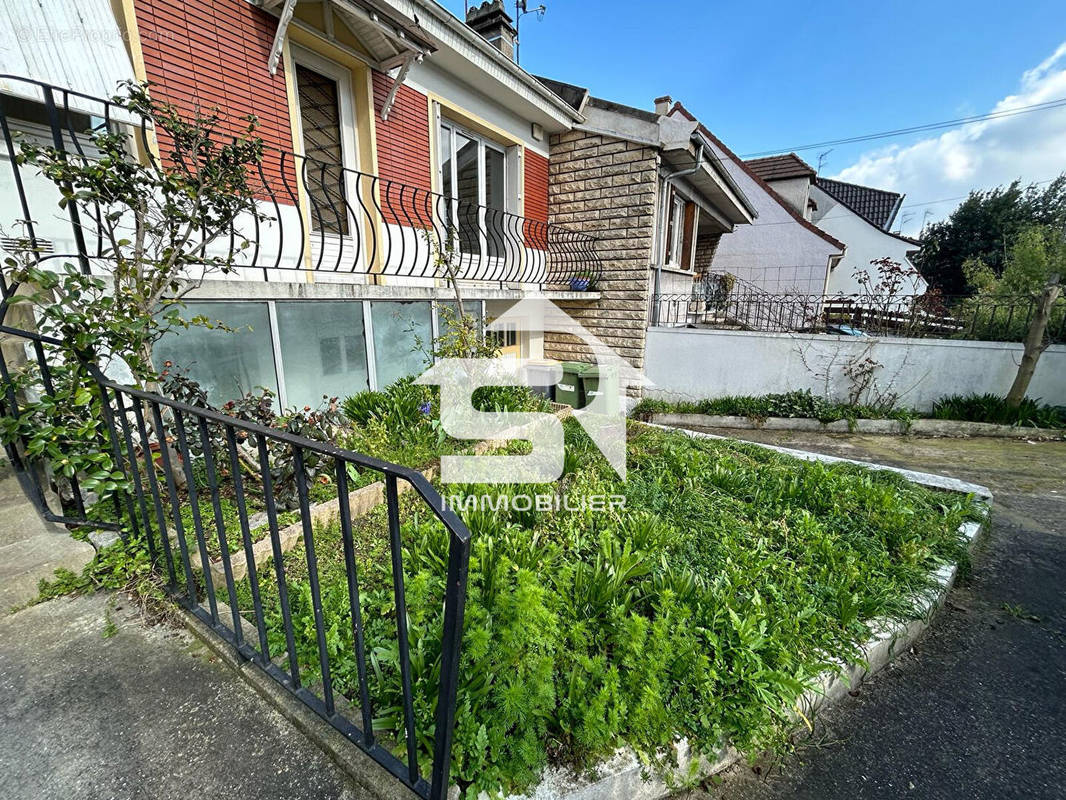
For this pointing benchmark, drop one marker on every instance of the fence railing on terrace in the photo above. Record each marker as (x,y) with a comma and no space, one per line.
(313,215)
(907,316)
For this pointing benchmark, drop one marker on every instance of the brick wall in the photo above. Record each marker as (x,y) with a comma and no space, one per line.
(403,151)
(606,187)
(215,52)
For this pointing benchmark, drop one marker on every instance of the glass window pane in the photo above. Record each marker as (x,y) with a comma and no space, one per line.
(323,350)
(468,192)
(471,307)
(320,121)
(446,161)
(226,364)
(396,327)
(495,222)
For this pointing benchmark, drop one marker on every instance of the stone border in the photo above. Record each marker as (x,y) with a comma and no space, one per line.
(918,427)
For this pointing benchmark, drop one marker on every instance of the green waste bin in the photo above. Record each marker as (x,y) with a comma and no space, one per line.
(597,381)
(569,389)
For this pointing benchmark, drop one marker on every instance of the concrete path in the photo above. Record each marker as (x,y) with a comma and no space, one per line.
(143,713)
(978,709)
(30,548)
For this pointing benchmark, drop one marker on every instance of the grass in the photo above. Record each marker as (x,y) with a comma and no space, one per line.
(803,404)
(733,576)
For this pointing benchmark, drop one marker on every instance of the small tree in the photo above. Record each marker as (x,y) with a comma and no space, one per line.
(158,220)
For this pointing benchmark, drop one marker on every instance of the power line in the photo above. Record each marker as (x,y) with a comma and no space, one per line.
(930,126)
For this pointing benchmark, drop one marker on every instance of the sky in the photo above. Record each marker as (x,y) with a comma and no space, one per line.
(777,75)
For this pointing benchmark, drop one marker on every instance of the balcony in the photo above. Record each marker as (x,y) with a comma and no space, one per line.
(315,220)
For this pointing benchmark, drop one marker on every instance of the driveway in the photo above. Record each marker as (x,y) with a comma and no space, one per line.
(978,708)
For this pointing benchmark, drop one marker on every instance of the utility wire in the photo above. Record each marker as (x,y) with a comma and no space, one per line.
(931,126)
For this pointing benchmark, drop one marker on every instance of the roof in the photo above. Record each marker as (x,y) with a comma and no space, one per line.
(876,206)
(780,168)
(574,96)
(729,154)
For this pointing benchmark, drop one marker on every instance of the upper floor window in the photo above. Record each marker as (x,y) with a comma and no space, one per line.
(473,175)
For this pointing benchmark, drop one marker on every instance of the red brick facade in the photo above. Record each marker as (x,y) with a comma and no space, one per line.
(215,52)
(536,190)
(403,139)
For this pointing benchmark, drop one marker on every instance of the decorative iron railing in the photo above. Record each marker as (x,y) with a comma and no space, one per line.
(312,215)
(907,316)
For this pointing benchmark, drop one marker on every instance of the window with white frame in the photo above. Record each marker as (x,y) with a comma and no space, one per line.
(473,175)
(680,232)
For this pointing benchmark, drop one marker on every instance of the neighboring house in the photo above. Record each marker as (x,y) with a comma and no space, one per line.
(391,128)
(648,184)
(862,217)
(858,216)
(782,251)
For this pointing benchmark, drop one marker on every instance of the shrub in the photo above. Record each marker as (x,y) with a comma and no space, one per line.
(993,408)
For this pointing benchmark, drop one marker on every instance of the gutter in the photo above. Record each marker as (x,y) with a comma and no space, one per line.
(662,224)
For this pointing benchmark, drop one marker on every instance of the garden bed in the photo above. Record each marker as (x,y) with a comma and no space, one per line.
(703,611)
(971,415)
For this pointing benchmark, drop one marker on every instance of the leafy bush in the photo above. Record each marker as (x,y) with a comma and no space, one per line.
(404,404)
(993,408)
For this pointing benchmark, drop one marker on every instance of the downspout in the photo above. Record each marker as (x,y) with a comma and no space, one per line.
(662,224)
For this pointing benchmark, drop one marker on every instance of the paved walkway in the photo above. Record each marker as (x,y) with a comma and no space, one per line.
(30,548)
(145,713)
(978,709)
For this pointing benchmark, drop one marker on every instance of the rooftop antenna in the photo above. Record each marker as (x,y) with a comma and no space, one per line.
(520,11)
(822,159)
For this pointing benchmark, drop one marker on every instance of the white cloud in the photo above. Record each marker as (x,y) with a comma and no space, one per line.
(980,155)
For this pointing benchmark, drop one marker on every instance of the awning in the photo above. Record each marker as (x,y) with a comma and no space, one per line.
(76,46)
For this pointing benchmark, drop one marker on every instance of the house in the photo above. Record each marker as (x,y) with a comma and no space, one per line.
(400,143)
(782,251)
(647,183)
(858,216)
(863,217)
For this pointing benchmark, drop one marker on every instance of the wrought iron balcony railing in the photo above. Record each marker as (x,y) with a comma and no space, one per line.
(311,215)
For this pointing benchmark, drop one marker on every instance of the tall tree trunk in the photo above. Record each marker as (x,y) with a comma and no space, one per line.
(1035,343)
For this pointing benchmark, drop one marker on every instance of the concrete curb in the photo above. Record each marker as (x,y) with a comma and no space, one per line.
(893,427)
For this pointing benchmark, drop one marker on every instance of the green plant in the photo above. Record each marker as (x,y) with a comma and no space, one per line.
(703,609)
(995,409)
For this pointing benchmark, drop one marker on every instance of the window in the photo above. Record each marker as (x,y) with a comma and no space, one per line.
(323,350)
(225,363)
(327,123)
(397,325)
(473,173)
(680,232)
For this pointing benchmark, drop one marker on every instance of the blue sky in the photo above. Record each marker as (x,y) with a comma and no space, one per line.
(777,74)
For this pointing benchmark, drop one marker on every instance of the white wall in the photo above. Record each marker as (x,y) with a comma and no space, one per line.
(775,252)
(696,364)
(865,242)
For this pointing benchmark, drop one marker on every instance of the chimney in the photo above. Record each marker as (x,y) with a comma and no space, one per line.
(491,21)
(663,105)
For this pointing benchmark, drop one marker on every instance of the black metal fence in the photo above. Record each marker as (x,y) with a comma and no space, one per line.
(173,458)
(906,316)
(311,215)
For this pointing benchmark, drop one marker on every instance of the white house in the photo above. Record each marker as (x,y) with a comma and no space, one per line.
(862,217)
(781,251)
